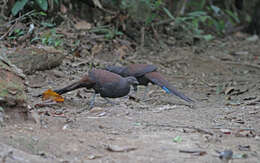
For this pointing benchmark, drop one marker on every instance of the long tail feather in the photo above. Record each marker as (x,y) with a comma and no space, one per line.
(69,88)
(158,79)
(84,82)
(175,92)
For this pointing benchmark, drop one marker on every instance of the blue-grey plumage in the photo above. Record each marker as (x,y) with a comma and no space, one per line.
(146,74)
(105,83)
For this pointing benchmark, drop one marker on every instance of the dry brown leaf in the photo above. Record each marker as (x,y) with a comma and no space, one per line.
(122,51)
(97,110)
(82,25)
(245,133)
(229,90)
(49,94)
(77,53)
(96,49)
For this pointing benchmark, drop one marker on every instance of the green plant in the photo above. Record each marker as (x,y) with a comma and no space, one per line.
(113,33)
(144,11)
(16,33)
(50,38)
(192,24)
(155,6)
(108,33)
(20,4)
(220,18)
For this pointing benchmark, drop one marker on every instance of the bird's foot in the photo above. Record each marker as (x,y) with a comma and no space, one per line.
(90,106)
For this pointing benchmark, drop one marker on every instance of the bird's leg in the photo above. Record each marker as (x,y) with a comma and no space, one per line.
(135,87)
(145,92)
(92,102)
(135,91)
(132,95)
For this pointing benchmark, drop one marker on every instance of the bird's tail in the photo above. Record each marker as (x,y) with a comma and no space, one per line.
(172,90)
(84,82)
(158,79)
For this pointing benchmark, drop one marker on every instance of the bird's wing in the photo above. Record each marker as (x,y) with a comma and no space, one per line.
(138,70)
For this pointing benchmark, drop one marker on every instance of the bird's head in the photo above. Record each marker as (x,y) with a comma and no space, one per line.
(132,80)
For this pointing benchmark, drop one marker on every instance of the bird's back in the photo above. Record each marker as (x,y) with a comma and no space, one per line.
(138,70)
(103,76)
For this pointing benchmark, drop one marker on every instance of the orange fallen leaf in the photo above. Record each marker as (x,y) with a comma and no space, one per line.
(49,94)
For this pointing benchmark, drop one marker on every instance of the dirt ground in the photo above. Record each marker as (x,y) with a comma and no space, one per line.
(223,78)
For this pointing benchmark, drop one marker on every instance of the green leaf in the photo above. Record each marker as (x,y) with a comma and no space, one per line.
(12,37)
(168,13)
(215,9)
(137,124)
(203,18)
(18,6)
(208,37)
(57,43)
(197,13)
(50,25)
(240,156)
(43,4)
(35,39)
(150,19)
(57,2)
(42,13)
(233,15)
(177,139)
(202,4)
(44,40)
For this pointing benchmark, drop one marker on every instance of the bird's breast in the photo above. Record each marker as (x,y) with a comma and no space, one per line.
(114,90)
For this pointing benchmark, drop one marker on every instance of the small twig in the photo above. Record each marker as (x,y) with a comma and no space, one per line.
(3,9)
(142,36)
(156,35)
(167,21)
(246,129)
(15,20)
(108,11)
(19,18)
(195,152)
(149,99)
(9,30)
(203,131)
(189,127)
(181,6)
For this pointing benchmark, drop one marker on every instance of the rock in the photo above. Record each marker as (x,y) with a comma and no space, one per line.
(11,87)
(10,154)
(12,95)
(35,58)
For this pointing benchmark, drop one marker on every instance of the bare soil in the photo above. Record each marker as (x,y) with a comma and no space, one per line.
(223,78)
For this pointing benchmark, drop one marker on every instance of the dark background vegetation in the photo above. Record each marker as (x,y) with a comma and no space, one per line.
(202,47)
(141,21)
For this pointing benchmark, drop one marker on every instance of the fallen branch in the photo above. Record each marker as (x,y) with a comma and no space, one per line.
(194,152)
